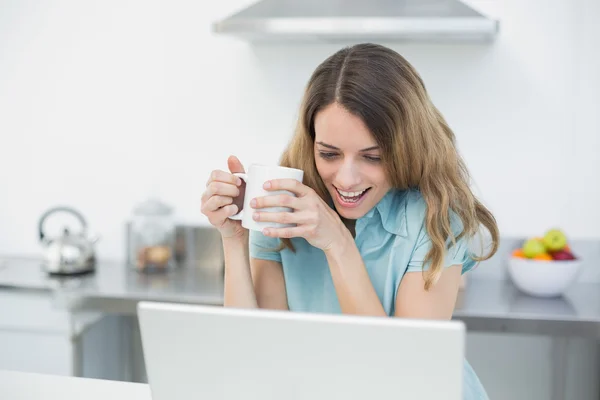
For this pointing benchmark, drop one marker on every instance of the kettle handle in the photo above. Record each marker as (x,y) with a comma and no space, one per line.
(57,209)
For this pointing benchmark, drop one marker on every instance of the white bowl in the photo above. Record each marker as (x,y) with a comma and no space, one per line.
(543,278)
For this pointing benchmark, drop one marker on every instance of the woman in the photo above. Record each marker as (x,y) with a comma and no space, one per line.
(384,215)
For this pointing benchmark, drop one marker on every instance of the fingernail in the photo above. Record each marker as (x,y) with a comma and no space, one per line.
(267,185)
(238,181)
(265,231)
(255,216)
(253,203)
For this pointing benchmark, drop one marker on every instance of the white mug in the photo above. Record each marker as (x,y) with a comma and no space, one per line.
(255,179)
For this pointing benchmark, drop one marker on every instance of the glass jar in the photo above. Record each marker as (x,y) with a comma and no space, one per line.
(152,237)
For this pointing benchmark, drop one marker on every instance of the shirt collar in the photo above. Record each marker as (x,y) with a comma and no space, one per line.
(391,209)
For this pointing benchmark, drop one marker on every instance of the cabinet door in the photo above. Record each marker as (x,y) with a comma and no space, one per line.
(35,352)
(37,335)
(32,311)
(34,333)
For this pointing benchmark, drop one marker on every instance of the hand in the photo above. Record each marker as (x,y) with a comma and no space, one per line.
(218,199)
(315,221)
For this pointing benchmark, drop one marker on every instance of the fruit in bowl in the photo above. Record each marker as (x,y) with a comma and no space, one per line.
(552,246)
(544,266)
(554,240)
(533,247)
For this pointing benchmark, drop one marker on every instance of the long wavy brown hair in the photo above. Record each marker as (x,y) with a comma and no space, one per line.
(418,147)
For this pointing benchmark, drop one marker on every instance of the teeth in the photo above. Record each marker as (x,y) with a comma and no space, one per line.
(350,194)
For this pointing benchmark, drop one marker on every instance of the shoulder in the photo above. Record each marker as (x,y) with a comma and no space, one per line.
(416,207)
(416,215)
(402,212)
(418,235)
(416,212)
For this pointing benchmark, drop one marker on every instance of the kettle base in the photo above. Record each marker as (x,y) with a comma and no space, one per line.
(72,273)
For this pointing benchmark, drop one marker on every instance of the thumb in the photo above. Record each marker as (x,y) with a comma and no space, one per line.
(234,165)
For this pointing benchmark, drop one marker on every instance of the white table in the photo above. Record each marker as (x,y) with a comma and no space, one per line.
(28,386)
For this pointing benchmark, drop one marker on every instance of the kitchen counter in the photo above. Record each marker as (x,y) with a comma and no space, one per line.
(485,305)
(114,287)
(492,305)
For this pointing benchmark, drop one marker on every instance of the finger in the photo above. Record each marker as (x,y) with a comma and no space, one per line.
(234,164)
(222,176)
(297,231)
(280,217)
(278,200)
(216,202)
(292,185)
(222,189)
(219,217)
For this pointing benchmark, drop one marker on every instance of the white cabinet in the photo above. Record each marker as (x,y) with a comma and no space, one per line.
(38,334)
(38,352)
(34,336)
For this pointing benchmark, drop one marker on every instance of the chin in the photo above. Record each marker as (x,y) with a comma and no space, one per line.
(350,214)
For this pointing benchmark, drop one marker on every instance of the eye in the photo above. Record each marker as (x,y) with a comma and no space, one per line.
(373,158)
(327,155)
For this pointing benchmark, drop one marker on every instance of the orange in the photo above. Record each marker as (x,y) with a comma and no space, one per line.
(543,256)
(518,253)
(567,248)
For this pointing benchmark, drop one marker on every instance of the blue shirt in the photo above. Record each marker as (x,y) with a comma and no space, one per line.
(391,239)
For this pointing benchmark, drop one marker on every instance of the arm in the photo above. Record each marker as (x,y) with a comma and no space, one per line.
(357,295)
(352,284)
(269,284)
(238,290)
(251,283)
(412,301)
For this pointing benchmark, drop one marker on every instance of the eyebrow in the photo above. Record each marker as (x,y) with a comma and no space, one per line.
(337,148)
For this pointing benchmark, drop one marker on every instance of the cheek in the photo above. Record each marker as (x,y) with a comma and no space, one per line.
(377,175)
(325,169)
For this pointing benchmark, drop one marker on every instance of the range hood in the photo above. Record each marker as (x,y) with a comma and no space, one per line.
(359,20)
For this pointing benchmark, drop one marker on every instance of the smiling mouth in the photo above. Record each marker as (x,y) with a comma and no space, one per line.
(351,197)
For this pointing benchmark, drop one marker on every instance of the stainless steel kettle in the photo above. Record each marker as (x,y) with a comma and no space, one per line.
(70,253)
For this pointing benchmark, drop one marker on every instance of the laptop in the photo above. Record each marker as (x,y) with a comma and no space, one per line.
(217,353)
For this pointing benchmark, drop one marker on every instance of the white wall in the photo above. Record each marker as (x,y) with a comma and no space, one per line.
(103,103)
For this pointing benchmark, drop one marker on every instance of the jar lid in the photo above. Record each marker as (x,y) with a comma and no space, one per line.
(152,206)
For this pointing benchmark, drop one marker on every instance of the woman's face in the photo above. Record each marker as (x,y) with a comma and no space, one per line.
(348,161)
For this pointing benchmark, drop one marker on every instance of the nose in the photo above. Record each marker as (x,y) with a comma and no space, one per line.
(347,177)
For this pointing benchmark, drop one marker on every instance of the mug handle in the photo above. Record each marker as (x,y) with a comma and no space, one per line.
(243,177)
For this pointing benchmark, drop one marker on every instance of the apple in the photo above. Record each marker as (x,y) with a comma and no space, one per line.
(563,255)
(554,240)
(533,247)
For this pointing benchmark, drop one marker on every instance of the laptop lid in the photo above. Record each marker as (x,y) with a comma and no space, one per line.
(208,352)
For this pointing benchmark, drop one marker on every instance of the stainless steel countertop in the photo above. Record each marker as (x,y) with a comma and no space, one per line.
(489,305)
(492,305)
(115,287)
